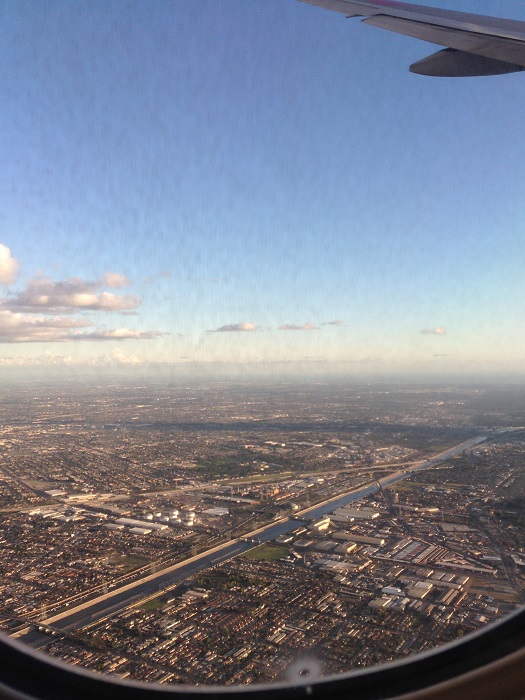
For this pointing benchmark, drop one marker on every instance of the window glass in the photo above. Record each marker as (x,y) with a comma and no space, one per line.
(261,340)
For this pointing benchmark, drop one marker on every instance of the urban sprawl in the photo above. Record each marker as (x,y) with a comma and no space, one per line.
(235,533)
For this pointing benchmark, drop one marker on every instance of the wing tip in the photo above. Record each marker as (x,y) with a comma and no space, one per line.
(452,63)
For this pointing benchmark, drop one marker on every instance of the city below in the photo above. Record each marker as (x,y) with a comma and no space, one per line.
(228,532)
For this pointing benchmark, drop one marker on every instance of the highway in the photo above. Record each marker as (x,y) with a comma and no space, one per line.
(118,599)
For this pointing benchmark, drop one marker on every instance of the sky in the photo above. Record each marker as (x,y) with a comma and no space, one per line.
(258,185)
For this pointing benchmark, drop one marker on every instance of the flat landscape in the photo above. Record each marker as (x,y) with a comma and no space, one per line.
(216,533)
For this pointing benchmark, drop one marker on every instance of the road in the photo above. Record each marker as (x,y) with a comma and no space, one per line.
(118,599)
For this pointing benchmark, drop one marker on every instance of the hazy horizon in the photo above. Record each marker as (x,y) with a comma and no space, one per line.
(209,373)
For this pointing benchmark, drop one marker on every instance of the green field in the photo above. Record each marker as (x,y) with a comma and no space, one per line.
(129,562)
(267,552)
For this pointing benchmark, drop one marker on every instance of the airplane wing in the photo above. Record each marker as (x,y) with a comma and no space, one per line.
(476,45)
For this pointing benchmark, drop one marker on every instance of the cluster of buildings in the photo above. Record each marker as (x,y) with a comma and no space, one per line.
(377,582)
(61,554)
(108,485)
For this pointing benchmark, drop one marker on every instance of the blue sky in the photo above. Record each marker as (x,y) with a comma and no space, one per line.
(258,184)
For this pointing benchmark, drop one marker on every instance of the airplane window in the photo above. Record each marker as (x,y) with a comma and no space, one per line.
(261,347)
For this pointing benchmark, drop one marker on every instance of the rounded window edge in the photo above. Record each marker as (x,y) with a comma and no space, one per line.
(488,663)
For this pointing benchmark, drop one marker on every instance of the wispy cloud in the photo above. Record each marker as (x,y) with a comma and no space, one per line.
(165,274)
(338,322)
(304,327)
(236,328)
(8,266)
(32,328)
(122,358)
(439,330)
(46,359)
(49,359)
(43,295)
(22,328)
(114,280)
(117,334)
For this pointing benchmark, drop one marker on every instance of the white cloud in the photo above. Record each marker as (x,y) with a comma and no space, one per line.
(33,328)
(8,266)
(334,323)
(22,328)
(115,280)
(121,358)
(43,295)
(117,334)
(236,328)
(292,327)
(47,311)
(47,359)
(439,330)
